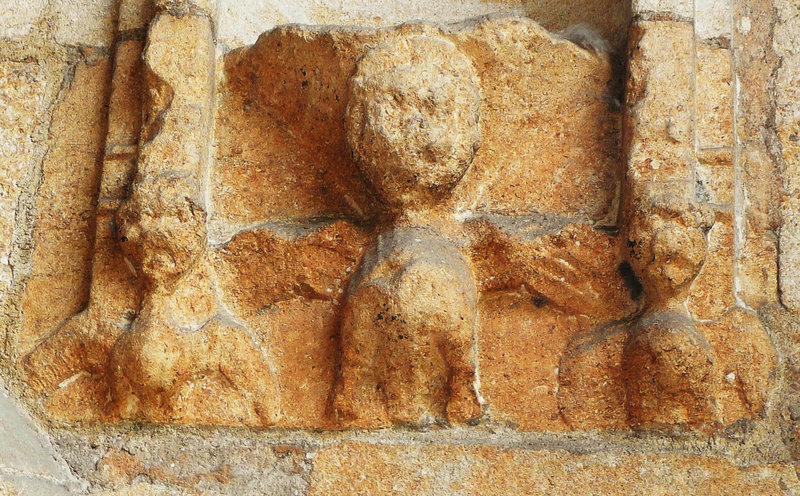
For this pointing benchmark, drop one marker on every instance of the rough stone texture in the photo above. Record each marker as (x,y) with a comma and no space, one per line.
(58,284)
(241,23)
(713,19)
(788,131)
(467,235)
(681,8)
(361,468)
(19,16)
(84,22)
(24,98)
(715,97)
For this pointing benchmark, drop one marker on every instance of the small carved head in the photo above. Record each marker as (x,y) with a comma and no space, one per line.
(413,121)
(668,246)
(159,234)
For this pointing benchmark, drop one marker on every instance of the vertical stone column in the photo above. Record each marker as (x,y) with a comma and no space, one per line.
(80,347)
(164,218)
(787,122)
(697,223)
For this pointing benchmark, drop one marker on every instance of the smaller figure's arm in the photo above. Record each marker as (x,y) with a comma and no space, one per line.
(575,267)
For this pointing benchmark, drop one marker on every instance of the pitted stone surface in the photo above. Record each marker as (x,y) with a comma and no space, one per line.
(428,257)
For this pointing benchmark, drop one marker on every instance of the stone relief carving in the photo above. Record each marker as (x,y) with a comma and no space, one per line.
(328,262)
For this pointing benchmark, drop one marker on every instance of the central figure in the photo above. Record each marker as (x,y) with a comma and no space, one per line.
(408,327)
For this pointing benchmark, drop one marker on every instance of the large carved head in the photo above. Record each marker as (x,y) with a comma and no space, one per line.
(413,121)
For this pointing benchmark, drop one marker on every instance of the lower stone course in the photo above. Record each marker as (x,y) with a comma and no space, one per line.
(370,469)
(377,467)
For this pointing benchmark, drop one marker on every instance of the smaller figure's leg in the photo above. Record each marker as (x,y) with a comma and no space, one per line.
(242,362)
(668,369)
(413,369)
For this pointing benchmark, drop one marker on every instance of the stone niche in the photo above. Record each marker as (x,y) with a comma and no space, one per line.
(467,221)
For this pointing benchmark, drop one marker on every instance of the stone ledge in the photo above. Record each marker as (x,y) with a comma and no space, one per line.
(375,469)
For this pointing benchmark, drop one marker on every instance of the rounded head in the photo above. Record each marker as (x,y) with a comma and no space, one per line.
(160,234)
(413,118)
(668,247)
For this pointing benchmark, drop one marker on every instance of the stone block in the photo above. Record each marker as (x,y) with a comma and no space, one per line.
(64,232)
(715,173)
(28,462)
(520,347)
(712,292)
(757,265)
(84,22)
(713,19)
(714,97)
(660,98)
(19,17)
(377,469)
(680,8)
(25,96)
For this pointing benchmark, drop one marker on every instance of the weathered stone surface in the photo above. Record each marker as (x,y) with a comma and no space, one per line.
(591,391)
(715,176)
(682,8)
(520,347)
(497,180)
(25,98)
(668,372)
(84,22)
(757,271)
(134,14)
(713,19)
(28,462)
(63,237)
(19,16)
(711,294)
(788,132)
(375,469)
(745,363)
(714,97)
(191,463)
(431,224)
(660,98)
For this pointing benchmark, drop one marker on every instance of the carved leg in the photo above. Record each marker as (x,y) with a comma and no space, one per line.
(668,370)
(459,348)
(358,389)
(407,335)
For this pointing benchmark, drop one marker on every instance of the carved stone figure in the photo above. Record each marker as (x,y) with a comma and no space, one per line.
(408,328)
(408,331)
(340,227)
(667,363)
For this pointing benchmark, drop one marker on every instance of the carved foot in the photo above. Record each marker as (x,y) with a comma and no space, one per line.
(464,406)
(668,372)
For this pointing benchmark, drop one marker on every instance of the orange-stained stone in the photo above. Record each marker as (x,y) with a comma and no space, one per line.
(520,346)
(714,96)
(591,391)
(63,237)
(711,293)
(660,100)
(377,469)
(715,182)
(745,364)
